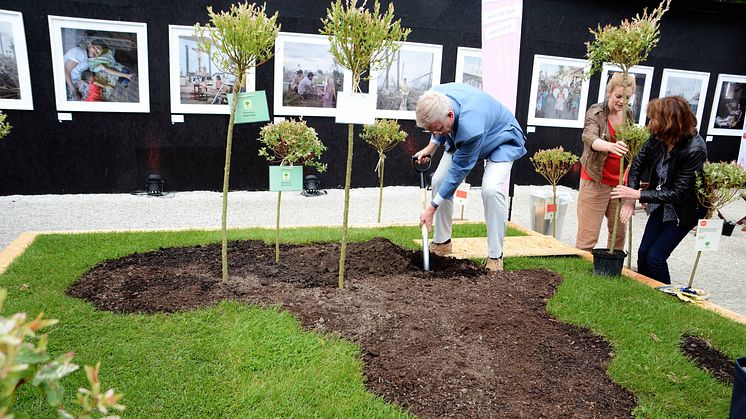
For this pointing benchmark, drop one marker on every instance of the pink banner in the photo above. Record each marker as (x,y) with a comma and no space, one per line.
(501,46)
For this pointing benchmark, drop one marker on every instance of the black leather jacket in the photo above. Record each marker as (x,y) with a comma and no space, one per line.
(678,189)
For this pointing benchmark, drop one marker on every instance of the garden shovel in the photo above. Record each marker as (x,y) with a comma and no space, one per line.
(422,169)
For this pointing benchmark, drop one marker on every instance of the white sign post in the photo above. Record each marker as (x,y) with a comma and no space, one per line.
(461,196)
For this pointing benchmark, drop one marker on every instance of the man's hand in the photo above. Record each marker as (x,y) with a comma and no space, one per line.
(426,217)
(423,156)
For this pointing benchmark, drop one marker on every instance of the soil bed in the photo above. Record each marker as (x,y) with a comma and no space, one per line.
(455,342)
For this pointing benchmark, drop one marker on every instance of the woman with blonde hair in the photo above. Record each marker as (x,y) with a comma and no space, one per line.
(673,155)
(600,162)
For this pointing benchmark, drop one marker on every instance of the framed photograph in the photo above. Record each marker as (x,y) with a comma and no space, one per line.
(15,79)
(307,77)
(559,92)
(638,103)
(413,71)
(99,65)
(691,85)
(198,84)
(469,66)
(729,106)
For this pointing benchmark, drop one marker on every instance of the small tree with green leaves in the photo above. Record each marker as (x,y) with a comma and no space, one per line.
(362,41)
(4,126)
(626,45)
(383,136)
(635,137)
(236,40)
(552,164)
(289,143)
(717,185)
(24,360)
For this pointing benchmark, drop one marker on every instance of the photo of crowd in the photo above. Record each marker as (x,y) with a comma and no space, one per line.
(559,92)
(100,66)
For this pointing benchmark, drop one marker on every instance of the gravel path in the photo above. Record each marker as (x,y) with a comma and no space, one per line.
(721,272)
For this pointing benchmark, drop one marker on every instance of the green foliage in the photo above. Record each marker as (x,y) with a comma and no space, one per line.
(362,41)
(238,39)
(290,143)
(628,44)
(383,135)
(4,126)
(553,163)
(719,183)
(24,359)
(634,136)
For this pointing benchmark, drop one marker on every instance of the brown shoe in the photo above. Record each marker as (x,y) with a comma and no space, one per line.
(441,249)
(494,265)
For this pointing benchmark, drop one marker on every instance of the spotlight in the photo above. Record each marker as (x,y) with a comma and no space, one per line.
(312,186)
(154,185)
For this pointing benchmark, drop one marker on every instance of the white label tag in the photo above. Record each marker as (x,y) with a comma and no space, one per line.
(708,235)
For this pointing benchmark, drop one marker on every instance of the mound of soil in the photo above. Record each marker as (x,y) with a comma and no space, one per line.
(708,358)
(458,341)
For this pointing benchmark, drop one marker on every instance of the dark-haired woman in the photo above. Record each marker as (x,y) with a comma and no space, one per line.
(673,155)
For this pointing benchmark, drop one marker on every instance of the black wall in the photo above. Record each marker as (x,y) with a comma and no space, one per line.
(114,152)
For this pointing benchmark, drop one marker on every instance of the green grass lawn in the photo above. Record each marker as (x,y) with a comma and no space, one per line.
(237,360)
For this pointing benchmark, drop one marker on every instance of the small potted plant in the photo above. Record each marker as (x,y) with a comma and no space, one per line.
(635,137)
(626,46)
(552,164)
(290,143)
(717,185)
(383,136)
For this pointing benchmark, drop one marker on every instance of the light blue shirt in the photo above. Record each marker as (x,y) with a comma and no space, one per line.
(482,129)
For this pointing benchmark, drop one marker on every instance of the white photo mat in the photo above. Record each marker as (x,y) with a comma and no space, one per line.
(469,67)
(12,31)
(691,85)
(181,90)
(551,77)
(728,106)
(420,65)
(59,23)
(289,58)
(641,102)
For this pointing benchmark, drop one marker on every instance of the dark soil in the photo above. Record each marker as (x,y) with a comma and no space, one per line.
(708,358)
(455,342)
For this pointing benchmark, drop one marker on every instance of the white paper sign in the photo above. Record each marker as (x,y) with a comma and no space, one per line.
(355,108)
(708,235)
(461,196)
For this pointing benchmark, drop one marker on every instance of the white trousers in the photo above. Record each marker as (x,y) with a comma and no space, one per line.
(493,197)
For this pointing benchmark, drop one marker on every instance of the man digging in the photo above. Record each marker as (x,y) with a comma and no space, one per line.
(473,126)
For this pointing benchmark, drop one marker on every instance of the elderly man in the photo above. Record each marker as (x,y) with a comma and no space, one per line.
(473,126)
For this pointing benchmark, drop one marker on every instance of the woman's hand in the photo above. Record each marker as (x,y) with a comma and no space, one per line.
(628,210)
(625,192)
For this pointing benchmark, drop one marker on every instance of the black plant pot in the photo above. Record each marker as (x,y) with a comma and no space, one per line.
(738,401)
(728,227)
(607,264)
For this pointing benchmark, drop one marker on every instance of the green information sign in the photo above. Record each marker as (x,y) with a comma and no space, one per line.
(285,178)
(251,107)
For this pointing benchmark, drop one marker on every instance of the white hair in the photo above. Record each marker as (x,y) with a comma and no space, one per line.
(431,107)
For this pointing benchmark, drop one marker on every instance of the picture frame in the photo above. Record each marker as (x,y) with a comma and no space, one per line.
(553,79)
(643,81)
(14,71)
(728,107)
(469,67)
(298,54)
(691,85)
(197,84)
(418,68)
(111,74)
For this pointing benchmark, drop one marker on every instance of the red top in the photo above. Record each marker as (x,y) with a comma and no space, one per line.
(610,175)
(95,93)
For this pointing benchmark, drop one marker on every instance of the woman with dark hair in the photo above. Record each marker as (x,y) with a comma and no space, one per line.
(673,155)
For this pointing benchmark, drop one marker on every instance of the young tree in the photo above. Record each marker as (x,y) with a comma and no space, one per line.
(634,136)
(236,40)
(383,136)
(552,164)
(626,45)
(290,143)
(362,41)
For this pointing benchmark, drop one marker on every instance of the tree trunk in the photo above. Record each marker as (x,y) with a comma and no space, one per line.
(277,229)
(625,74)
(226,176)
(380,193)
(348,177)
(554,213)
